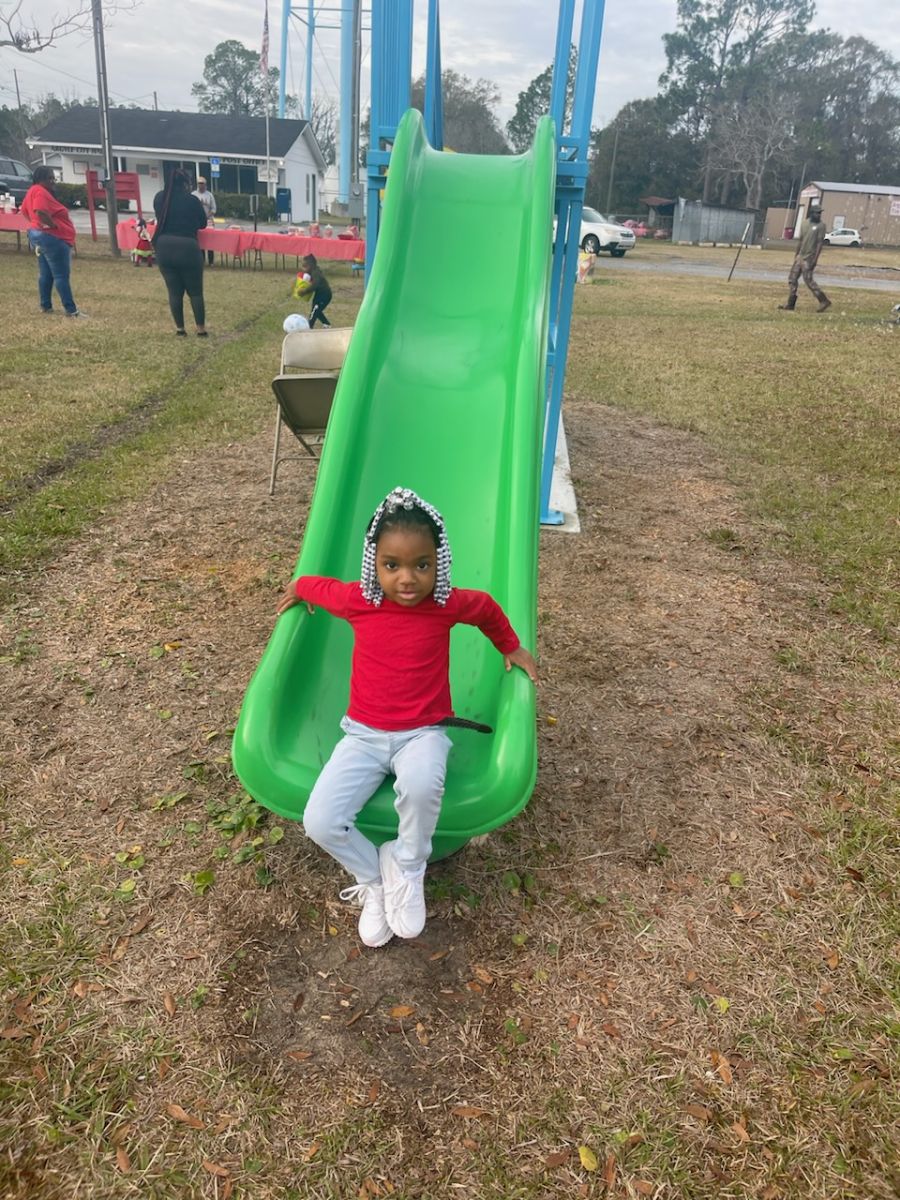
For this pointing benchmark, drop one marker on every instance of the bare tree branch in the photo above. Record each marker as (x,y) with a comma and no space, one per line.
(17,31)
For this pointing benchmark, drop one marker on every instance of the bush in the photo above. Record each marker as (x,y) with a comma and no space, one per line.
(237,206)
(72,195)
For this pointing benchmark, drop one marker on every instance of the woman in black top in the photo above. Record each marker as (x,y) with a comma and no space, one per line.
(179,218)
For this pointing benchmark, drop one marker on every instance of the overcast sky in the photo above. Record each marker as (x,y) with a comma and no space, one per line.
(161,46)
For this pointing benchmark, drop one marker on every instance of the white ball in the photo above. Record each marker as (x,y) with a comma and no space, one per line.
(295,323)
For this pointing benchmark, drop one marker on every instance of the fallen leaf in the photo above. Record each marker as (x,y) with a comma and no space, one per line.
(169,1004)
(123,1162)
(299,1055)
(643,1187)
(373,1092)
(721,1004)
(421,1033)
(15,1031)
(311,1152)
(557,1159)
(588,1158)
(176,1111)
(611,1030)
(722,1066)
(698,1111)
(609,1173)
(482,974)
(402,1010)
(141,922)
(742,1135)
(832,958)
(438,955)
(215,1169)
(469,1110)
(469,1143)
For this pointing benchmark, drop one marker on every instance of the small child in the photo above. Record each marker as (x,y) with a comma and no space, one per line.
(401,612)
(143,251)
(321,291)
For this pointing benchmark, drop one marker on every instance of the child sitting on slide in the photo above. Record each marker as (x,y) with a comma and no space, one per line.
(401,612)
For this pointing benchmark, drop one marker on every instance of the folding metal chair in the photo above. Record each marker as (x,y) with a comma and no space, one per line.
(304,390)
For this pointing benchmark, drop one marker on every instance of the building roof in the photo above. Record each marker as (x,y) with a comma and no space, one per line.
(200,134)
(872,189)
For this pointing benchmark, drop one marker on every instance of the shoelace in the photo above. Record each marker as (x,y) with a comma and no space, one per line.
(402,890)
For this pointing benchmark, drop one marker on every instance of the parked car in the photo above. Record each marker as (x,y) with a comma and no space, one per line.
(843,237)
(602,233)
(15,178)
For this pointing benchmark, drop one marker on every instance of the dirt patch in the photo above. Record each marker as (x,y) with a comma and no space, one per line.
(627,927)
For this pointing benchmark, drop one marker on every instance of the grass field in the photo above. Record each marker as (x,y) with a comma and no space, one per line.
(673,976)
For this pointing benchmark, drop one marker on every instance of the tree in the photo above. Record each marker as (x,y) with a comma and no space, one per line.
(651,158)
(534,103)
(17,32)
(746,139)
(233,86)
(470,123)
(716,56)
(324,125)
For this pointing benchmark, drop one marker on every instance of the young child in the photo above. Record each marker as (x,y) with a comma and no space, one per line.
(321,291)
(401,611)
(143,251)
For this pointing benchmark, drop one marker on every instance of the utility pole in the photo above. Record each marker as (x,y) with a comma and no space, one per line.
(155,104)
(612,173)
(109,183)
(22,129)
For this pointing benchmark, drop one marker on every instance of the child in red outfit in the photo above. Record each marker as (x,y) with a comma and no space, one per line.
(401,611)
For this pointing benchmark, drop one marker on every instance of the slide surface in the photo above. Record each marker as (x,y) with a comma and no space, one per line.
(442,391)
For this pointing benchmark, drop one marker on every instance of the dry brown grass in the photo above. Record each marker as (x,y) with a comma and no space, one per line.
(677,957)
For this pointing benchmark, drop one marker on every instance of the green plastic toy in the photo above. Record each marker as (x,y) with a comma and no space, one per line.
(442,391)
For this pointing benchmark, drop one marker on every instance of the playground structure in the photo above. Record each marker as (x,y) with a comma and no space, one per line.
(451,384)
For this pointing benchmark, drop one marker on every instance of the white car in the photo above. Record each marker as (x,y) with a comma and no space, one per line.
(843,237)
(600,233)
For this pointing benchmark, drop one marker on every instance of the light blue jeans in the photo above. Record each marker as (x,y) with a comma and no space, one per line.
(54,267)
(417,758)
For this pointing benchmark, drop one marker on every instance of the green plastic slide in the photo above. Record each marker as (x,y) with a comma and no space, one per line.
(442,391)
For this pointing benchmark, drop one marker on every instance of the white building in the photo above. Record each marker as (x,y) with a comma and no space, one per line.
(230,152)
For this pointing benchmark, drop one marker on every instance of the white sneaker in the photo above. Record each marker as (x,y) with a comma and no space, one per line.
(404,895)
(374,929)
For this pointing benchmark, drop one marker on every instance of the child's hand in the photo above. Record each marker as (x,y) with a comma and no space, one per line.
(289,598)
(524,659)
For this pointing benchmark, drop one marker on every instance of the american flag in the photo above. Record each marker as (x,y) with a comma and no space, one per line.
(264,53)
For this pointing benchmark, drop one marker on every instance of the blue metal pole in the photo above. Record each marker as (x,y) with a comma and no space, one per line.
(572,168)
(434,101)
(391,70)
(310,32)
(282,77)
(346,149)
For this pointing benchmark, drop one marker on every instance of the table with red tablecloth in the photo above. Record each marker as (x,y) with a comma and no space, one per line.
(14,223)
(238,243)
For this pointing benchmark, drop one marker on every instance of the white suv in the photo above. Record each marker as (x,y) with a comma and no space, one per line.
(600,233)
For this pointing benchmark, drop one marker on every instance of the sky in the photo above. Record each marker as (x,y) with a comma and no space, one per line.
(160,47)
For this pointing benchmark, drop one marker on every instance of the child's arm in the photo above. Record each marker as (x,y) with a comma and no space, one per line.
(331,594)
(482,610)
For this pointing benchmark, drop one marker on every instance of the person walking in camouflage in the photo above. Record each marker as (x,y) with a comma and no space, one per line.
(812,239)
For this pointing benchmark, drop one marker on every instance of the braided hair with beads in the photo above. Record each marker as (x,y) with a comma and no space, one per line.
(402,507)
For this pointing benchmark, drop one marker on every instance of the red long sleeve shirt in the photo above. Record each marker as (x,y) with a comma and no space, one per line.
(399,677)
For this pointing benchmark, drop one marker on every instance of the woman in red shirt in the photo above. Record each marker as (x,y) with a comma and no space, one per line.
(401,610)
(51,235)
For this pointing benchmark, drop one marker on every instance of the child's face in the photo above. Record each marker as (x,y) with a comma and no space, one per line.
(406,565)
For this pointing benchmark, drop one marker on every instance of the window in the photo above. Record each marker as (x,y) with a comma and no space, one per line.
(142,168)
